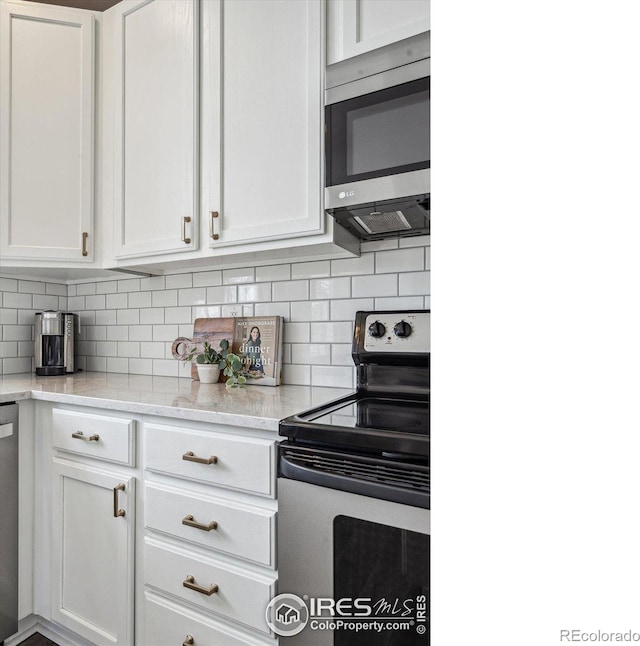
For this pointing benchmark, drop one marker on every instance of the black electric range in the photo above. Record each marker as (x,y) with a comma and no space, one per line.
(375,441)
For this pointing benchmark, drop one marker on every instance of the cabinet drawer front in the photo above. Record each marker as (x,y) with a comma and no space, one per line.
(167,624)
(241,595)
(98,436)
(240,530)
(243,463)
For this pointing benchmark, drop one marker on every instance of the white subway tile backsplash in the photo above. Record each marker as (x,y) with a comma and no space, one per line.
(117,333)
(207,279)
(195,296)
(381,285)
(31,287)
(254,292)
(95,302)
(405,259)
(273,309)
(335,332)
(364,265)
(18,301)
(86,288)
(151,315)
(319,269)
(226,294)
(337,376)
(107,287)
(399,303)
(139,299)
(116,301)
(311,353)
(310,311)
(164,298)
(234,276)
(345,310)
(272,272)
(293,290)
(128,317)
(128,324)
(178,281)
(296,332)
(55,289)
(328,288)
(416,283)
(153,283)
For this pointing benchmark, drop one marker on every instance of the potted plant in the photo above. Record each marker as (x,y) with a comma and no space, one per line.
(209,361)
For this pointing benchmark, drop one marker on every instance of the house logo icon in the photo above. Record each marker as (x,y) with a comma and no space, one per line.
(287,615)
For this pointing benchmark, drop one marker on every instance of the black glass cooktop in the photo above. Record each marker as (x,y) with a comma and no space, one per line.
(378,424)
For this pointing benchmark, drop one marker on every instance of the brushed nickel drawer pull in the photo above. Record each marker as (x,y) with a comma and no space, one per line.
(212,225)
(190,583)
(188,641)
(188,520)
(117,512)
(85,235)
(191,457)
(81,436)
(184,230)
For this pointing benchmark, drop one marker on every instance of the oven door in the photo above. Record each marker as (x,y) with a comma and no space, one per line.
(372,554)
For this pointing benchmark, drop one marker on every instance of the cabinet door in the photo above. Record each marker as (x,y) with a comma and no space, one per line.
(156,126)
(358,26)
(93,553)
(46,132)
(263,174)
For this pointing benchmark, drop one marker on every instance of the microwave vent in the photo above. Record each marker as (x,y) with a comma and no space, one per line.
(379,222)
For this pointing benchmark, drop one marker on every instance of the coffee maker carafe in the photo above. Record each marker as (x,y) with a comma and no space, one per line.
(55,334)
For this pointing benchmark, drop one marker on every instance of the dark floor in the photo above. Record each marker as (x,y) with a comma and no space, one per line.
(37,640)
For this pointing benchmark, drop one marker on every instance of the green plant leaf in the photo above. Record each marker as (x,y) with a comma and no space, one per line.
(224,344)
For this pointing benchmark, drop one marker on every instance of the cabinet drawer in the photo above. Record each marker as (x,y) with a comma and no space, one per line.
(167,624)
(240,530)
(241,595)
(243,463)
(98,436)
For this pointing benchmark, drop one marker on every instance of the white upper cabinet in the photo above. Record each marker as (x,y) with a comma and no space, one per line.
(156,127)
(359,26)
(262,124)
(46,133)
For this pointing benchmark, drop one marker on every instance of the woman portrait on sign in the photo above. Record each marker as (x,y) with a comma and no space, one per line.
(252,351)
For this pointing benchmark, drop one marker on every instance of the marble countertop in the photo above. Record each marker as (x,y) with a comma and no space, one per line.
(259,407)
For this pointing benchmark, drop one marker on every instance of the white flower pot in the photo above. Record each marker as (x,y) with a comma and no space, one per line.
(208,373)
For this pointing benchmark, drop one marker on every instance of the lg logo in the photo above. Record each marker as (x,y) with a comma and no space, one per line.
(344,194)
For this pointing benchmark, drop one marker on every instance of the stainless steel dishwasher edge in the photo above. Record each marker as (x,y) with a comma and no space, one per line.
(8,520)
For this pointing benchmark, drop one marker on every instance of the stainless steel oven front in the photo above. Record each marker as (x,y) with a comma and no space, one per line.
(361,564)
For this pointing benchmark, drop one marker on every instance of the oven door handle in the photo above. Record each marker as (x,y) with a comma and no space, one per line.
(293,470)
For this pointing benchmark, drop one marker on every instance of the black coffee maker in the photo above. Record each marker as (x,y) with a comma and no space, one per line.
(55,343)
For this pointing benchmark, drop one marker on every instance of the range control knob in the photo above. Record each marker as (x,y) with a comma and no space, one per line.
(402,329)
(377,329)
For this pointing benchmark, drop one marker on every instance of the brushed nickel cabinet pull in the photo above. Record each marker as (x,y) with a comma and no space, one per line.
(188,520)
(116,511)
(190,583)
(194,458)
(79,435)
(212,225)
(184,230)
(85,235)
(188,641)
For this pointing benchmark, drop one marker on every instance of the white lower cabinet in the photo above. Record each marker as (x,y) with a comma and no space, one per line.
(209,535)
(93,552)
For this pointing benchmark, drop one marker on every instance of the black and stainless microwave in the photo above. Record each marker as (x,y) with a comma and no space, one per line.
(377,152)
